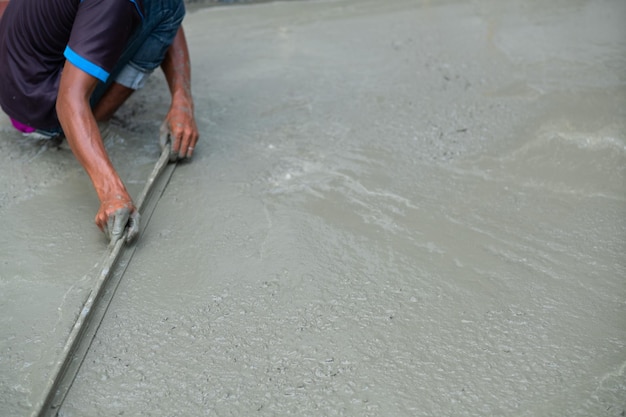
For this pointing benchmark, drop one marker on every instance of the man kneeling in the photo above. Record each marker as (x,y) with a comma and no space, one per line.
(66,65)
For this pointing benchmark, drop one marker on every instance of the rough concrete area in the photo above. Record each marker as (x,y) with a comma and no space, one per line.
(398,208)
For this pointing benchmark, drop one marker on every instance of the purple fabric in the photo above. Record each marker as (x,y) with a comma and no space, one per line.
(35,34)
(21,126)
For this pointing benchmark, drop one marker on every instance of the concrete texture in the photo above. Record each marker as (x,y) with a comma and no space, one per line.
(398,208)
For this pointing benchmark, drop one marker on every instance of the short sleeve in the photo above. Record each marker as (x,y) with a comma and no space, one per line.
(99,34)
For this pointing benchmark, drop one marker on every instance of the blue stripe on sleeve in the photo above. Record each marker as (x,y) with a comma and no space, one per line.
(85,65)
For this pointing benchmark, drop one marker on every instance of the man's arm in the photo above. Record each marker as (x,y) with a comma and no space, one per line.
(180,118)
(81,130)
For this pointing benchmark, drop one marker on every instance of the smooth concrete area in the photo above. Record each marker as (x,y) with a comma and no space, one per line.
(397,208)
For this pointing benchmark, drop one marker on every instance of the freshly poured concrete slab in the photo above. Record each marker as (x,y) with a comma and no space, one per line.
(50,249)
(397,208)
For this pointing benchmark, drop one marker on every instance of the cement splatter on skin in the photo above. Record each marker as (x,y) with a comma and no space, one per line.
(398,208)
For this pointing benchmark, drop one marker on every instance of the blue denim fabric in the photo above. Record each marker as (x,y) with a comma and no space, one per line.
(147,47)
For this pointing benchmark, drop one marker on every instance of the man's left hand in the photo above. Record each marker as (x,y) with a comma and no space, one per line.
(183,133)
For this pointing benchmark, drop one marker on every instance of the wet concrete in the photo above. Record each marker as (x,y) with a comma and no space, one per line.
(398,208)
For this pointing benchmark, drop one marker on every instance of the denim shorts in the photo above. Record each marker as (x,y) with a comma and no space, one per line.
(147,47)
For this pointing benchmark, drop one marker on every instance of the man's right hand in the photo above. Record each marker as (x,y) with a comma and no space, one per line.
(117,214)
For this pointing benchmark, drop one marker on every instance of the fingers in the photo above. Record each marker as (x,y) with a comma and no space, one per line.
(117,217)
(133,226)
(183,143)
(117,223)
(180,128)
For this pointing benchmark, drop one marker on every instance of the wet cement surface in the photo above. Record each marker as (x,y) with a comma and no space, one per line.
(398,208)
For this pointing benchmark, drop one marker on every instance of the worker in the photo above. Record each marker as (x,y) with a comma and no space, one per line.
(66,65)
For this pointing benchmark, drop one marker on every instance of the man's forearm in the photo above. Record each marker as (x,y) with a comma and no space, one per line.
(177,69)
(117,213)
(84,138)
(180,120)
(83,135)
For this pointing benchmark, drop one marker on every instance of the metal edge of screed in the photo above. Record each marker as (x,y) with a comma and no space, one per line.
(95,307)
